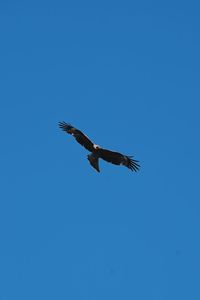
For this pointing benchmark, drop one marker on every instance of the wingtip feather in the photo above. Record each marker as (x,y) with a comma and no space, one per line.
(133,164)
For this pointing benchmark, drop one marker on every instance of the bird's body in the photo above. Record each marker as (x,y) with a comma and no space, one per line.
(98,152)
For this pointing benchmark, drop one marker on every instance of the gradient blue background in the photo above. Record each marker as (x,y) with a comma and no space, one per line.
(127,74)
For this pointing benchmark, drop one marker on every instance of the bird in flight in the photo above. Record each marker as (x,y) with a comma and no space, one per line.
(97,152)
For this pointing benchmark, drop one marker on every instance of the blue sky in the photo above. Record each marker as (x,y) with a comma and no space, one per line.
(127,74)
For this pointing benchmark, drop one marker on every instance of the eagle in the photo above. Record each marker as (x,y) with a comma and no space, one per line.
(97,152)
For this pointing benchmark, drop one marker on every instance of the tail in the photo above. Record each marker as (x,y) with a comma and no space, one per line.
(94,161)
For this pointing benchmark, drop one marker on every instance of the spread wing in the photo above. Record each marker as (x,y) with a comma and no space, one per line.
(79,136)
(117,158)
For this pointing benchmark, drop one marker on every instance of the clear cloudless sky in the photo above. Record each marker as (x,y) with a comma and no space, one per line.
(127,73)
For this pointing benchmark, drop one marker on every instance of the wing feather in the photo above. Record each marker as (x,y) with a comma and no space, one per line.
(117,158)
(110,156)
(80,137)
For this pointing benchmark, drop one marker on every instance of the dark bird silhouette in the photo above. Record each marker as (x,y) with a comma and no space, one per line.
(97,152)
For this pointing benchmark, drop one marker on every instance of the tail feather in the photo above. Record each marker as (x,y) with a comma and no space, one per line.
(94,161)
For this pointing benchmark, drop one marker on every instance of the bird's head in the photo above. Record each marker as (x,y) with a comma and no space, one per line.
(96,146)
